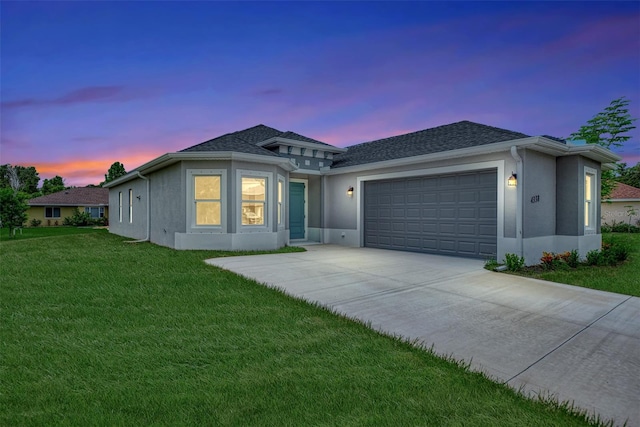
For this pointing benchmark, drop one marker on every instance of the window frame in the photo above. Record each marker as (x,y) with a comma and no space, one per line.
(192,227)
(268,202)
(88,209)
(589,198)
(131,206)
(119,206)
(53,212)
(281,197)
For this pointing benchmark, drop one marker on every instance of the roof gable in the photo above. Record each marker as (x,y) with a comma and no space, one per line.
(82,196)
(624,191)
(453,136)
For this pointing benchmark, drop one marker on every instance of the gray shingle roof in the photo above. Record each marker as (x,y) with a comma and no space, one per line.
(243,141)
(453,136)
(83,196)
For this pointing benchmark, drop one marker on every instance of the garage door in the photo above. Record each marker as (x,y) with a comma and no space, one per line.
(453,214)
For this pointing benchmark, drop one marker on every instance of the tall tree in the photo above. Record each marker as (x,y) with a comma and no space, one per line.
(115,171)
(53,185)
(629,176)
(29,178)
(608,129)
(13,206)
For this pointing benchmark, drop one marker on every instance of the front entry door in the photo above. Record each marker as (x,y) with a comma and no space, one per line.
(296,210)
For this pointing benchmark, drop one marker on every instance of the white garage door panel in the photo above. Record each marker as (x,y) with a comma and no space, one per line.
(453,214)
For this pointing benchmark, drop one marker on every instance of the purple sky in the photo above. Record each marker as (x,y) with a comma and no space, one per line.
(86,84)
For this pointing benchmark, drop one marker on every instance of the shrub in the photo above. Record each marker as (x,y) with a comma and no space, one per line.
(610,254)
(35,222)
(573,259)
(561,261)
(491,264)
(593,257)
(78,219)
(514,262)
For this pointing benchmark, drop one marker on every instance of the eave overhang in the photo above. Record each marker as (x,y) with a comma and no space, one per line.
(171,158)
(536,143)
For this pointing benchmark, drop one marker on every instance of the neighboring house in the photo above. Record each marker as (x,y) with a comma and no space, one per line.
(53,208)
(444,190)
(616,209)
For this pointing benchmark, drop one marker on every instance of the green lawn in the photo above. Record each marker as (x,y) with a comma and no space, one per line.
(622,279)
(96,331)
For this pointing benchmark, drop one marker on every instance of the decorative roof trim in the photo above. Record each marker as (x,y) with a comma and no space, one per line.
(276,140)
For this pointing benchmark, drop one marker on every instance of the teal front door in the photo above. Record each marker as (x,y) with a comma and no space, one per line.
(296,210)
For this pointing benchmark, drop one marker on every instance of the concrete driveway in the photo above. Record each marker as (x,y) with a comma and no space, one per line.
(576,344)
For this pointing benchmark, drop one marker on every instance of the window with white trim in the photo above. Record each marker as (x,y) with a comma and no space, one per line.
(206,210)
(207,200)
(52,212)
(119,206)
(280,200)
(254,200)
(95,211)
(590,202)
(130,206)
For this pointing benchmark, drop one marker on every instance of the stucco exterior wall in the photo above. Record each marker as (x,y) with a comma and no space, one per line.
(615,212)
(136,228)
(38,212)
(570,195)
(539,194)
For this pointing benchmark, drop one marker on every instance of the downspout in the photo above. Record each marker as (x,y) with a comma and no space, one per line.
(519,198)
(146,239)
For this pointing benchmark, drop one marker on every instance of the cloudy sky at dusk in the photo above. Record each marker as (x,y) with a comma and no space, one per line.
(86,84)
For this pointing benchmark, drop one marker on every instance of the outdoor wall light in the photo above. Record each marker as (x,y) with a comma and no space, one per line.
(513,180)
(350,191)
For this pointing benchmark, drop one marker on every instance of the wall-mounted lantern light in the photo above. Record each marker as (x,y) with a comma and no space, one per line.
(350,191)
(513,180)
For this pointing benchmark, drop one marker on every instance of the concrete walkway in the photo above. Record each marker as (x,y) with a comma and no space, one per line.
(576,344)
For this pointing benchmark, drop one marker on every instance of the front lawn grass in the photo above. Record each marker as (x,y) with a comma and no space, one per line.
(96,331)
(622,279)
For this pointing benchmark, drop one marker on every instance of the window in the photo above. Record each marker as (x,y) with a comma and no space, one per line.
(208,200)
(206,210)
(254,200)
(95,212)
(130,206)
(52,212)
(280,200)
(590,200)
(120,206)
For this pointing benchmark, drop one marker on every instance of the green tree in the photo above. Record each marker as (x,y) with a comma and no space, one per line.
(115,171)
(29,178)
(13,208)
(629,176)
(53,185)
(608,129)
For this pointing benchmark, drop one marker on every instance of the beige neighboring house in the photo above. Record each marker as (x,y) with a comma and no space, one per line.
(623,198)
(52,209)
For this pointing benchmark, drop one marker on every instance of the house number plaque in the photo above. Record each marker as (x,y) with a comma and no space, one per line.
(535,199)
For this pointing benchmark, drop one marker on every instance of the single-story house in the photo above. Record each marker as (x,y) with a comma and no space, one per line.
(616,209)
(463,189)
(53,208)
